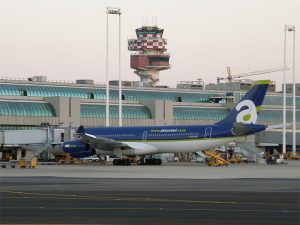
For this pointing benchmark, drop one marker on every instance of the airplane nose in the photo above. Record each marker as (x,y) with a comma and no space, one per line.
(64,146)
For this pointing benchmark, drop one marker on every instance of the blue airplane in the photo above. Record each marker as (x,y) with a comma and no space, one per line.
(149,140)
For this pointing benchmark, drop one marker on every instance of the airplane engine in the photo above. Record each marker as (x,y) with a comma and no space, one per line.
(78,149)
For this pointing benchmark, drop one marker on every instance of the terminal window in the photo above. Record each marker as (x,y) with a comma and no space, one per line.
(23,92)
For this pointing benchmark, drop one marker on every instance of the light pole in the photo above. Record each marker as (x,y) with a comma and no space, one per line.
(113,11)
(293,28)
(289,28)
(120,79)
(284,94)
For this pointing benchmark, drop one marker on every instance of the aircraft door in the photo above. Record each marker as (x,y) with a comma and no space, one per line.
(145,133)
(208,132)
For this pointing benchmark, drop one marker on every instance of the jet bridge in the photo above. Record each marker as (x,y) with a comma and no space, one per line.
(24,137)
(12,142)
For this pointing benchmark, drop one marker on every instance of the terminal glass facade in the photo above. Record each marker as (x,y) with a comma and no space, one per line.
(128,111)
(26,108)
(276,116)
(278,100)
(187,113)
(99,93)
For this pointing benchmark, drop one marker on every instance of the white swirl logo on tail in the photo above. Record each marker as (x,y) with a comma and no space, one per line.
(248,115)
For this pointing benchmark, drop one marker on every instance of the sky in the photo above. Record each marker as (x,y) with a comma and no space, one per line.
(66,39)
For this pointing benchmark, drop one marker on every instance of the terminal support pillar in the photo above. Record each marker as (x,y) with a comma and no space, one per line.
(161,111)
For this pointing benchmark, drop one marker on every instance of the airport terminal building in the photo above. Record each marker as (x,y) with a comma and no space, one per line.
(36,103)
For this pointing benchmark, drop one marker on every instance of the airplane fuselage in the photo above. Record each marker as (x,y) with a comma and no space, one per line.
(177,139)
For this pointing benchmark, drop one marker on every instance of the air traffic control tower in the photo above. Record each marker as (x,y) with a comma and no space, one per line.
(149,55)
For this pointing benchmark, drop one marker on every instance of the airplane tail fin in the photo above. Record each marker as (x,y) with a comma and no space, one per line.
(80,130)
(249,106)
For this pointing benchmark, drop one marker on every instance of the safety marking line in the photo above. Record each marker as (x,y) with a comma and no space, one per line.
(155,209)
(146,199)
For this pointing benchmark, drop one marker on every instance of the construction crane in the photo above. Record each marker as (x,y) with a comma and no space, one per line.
(230,77)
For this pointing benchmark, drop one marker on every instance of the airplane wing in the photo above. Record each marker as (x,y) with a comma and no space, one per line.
(102,143)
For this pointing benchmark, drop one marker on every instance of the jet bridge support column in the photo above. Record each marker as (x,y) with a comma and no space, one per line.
(19,154)
(1,151)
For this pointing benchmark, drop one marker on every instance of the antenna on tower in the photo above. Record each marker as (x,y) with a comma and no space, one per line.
(155,21)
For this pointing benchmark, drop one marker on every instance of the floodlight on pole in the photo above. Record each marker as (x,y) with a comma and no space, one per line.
(293,29)
(107,79)
(113,11)
(120,78)
(284,94)
(289,29)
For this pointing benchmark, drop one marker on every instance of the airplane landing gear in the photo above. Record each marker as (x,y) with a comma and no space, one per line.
(123,162)
(153,161)
(142,161)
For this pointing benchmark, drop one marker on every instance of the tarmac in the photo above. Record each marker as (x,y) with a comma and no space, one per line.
(166,171)
(174,193)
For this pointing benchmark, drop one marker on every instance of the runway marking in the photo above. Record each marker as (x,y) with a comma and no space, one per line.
(146,199)
(157,209)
